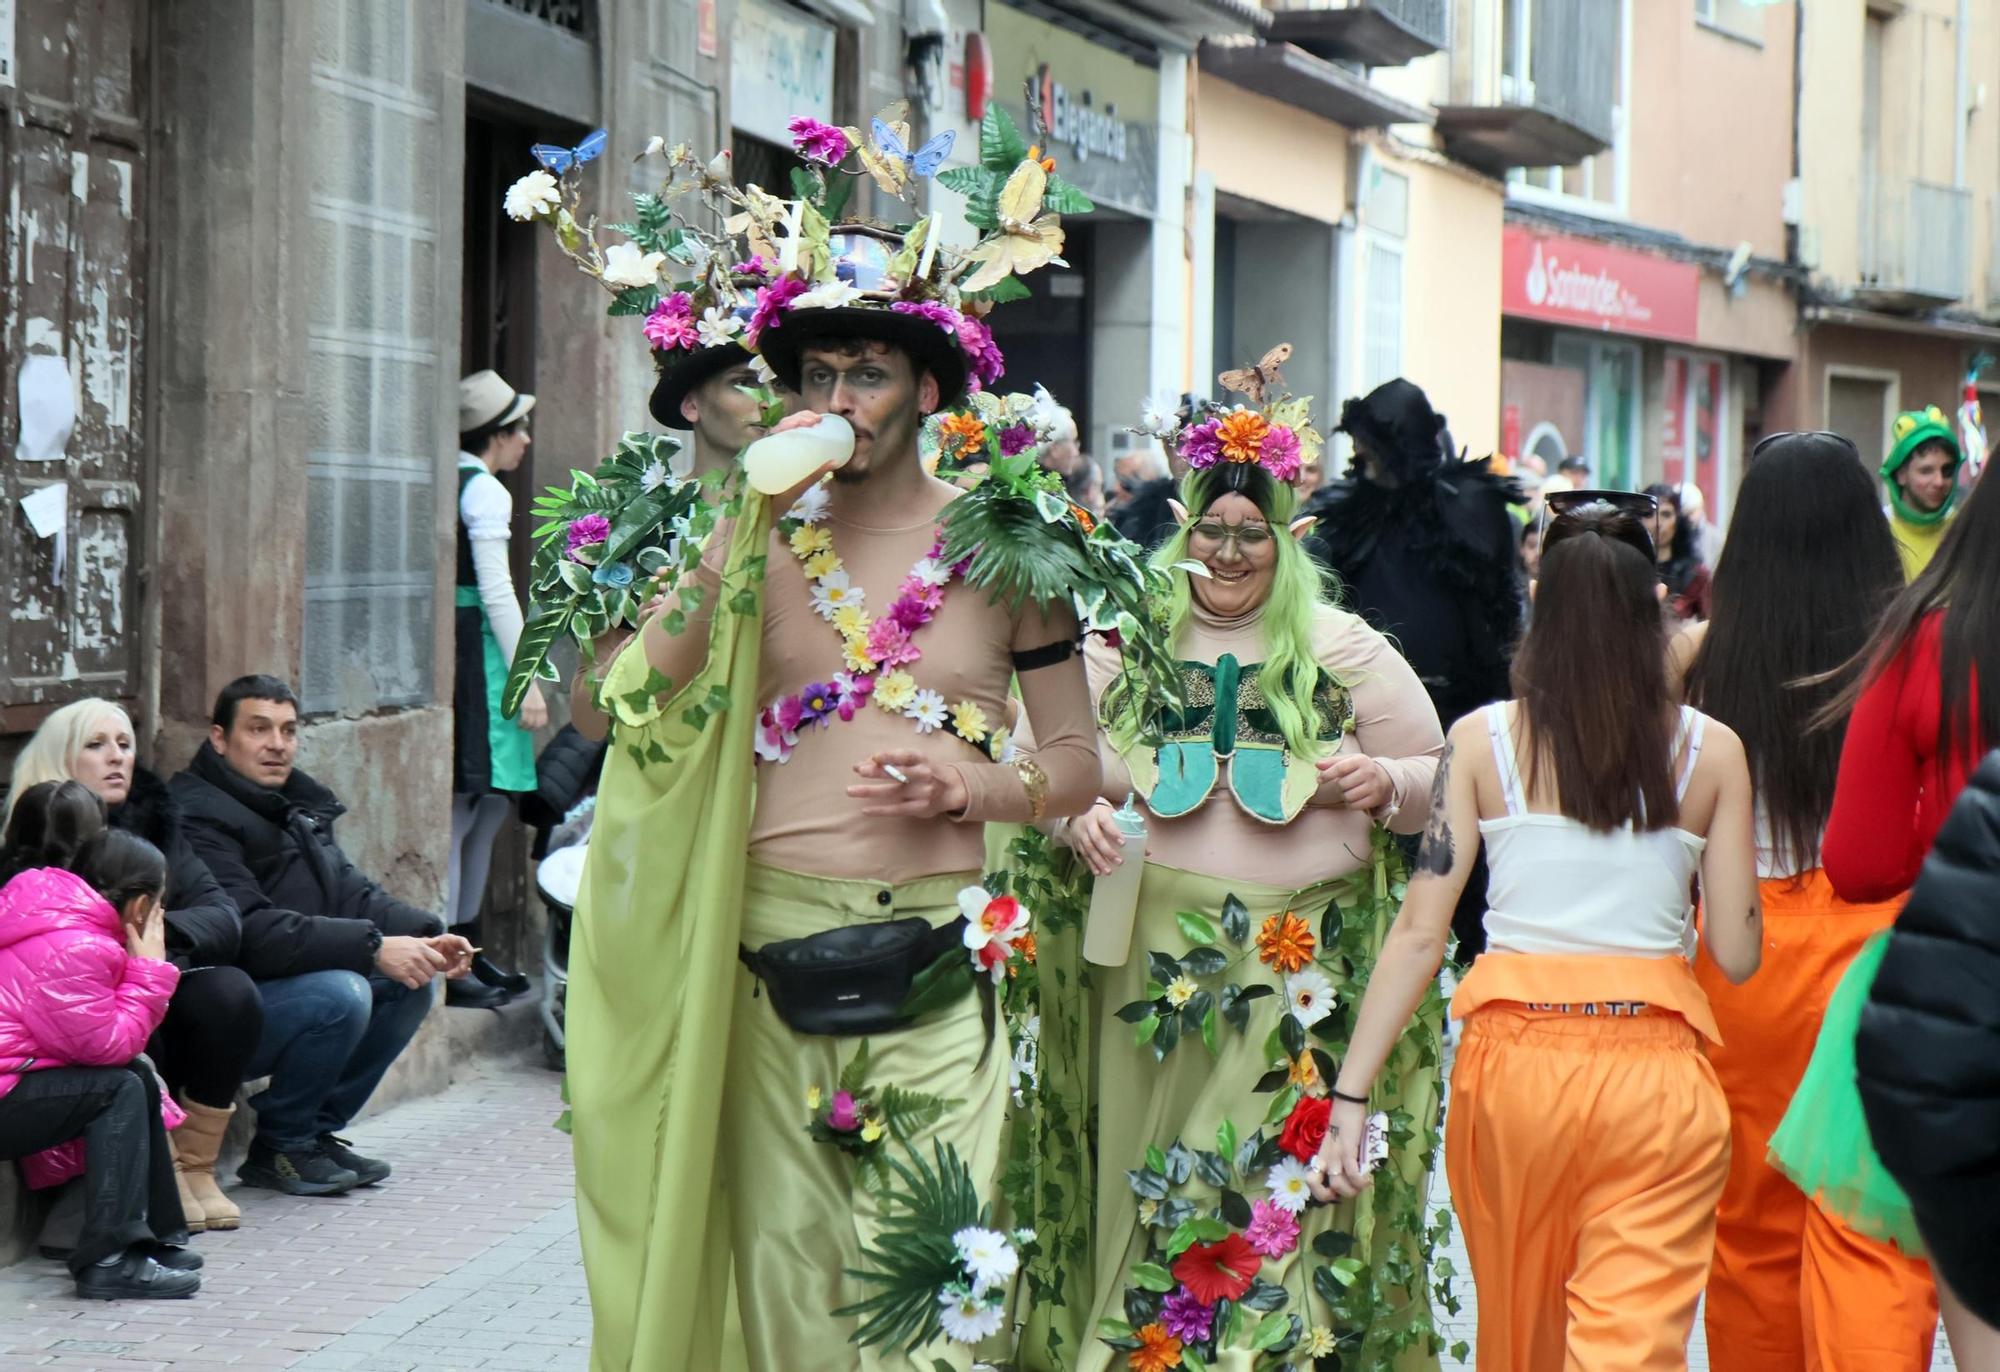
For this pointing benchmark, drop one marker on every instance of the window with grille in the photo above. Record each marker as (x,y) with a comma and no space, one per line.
(1382,317)
(373,397)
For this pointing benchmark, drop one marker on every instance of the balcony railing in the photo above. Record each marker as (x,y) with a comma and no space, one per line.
(1376,33)
(1547,96)
(1916,242)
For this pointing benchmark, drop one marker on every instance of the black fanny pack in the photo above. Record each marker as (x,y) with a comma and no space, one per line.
(857,980)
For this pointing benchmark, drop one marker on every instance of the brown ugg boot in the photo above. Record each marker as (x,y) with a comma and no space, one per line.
(191,1211)
(196,1144)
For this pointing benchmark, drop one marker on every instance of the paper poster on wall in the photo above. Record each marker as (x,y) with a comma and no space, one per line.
(48,406)
(47,512)
(6,42)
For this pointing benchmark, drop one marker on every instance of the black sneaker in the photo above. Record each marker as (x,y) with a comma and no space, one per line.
(174,1257)
(306,1172)
(370,1170)
(135,1277)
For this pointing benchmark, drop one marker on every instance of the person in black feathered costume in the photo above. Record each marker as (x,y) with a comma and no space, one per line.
(1425,552)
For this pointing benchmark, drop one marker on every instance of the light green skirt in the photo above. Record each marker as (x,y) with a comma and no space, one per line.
(798,1218)
(1357,1272)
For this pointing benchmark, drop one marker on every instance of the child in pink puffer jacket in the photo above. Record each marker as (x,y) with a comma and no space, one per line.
(84,981)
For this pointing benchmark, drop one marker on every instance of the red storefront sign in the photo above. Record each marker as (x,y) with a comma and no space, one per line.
(1587,285)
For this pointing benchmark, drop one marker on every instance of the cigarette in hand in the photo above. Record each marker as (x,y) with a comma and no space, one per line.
(895,774)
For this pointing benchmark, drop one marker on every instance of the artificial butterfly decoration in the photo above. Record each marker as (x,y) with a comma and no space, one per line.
(890,160)
(560,160)
(1255,381)
(1028,239)
(925,161)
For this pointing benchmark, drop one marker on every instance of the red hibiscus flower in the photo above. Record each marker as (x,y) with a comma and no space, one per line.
(1305,1128)
(1218,1271)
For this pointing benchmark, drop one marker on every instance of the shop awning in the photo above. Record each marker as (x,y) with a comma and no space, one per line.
(1175,24)
(1933,326)
(1295,77)
(1371,33)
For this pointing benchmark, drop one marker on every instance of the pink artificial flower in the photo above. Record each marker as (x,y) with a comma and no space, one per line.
(791,711)
(944,316)
(752,266)
(1016,439)
(854,691)
(671,324)
(817,142)
(842,1115)
(980,350)
(587,532)
(1273,1231)
(773,301)
(889,641)
(1200,445)
(773,743)
(1280,453)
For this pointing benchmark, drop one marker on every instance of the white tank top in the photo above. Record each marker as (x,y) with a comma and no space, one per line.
(1557,886)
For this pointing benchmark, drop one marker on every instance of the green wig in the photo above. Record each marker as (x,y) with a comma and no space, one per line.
(1300,590)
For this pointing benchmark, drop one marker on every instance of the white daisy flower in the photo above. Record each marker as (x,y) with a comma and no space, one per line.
(1180,991)
(811,507)
(717,326)
(967,1316)
(988,1256)
(931,572)
(1287,1183)
(625,265)
(1310,994)
(831,296)
(928,710)
(533,196)
(834,592)
(654,477)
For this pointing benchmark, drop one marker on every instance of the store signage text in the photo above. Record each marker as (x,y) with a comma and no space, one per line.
(1593,286)
(1075,124)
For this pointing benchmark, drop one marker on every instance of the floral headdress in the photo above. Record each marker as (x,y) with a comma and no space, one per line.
(1278,436)
(986,426)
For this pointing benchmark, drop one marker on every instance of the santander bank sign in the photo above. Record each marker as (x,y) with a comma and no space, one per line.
(1586,285)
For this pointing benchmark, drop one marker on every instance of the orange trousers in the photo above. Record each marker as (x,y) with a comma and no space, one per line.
(1793,1289)
(1586,1155)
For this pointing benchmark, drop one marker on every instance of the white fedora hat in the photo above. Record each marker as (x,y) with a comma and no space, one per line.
(483,398)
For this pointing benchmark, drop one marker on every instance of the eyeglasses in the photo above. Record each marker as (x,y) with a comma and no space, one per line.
(1842,439)
(1249,538)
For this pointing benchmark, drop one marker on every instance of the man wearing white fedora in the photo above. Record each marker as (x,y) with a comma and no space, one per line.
(491,754)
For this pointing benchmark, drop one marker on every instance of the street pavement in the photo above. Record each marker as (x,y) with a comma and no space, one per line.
(465,1261)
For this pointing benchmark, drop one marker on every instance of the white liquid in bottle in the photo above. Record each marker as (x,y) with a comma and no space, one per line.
(1114,897)
(779,461)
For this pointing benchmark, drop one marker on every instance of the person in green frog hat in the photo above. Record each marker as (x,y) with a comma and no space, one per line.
(1921,478)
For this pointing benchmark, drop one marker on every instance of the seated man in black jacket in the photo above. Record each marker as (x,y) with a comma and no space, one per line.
(344,968)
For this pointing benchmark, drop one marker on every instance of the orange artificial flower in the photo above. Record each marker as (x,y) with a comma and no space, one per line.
(961,435)
(1285,942)
(1304,1073)
(1026,945)
(1083,517)
(1158,1351)
(1241,434)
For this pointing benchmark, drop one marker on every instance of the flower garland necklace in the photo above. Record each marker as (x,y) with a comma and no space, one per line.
(875,651)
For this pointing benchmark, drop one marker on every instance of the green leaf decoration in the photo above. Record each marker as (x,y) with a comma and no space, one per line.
(944,983)
(1225,1139)
(1113,1329)
(1208,1031)
(538,635)
(1204,962)
(1235,920)
(1194,927)
(634,300)
(1064,198)
(1264,1296)
(855,1075)
(970,181)
(839,190)
(1152,1277)
(1156,1159)
(1001,148)
(1135,1011)
(1292,1035)
(913,1254)
(1271,1331)
(1144,1030)
(1008,288)
(1236,1209)
(1333,1243)
(1148,1184)
(910,1113)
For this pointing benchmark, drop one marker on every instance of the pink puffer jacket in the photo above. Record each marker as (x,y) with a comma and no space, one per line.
(70,994)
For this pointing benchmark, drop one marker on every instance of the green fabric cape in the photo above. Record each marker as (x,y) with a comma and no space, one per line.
(652,973)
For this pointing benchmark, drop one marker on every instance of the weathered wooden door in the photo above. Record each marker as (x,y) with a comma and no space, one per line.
(72,167)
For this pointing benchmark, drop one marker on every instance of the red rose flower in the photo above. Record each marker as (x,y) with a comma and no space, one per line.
(1218,1271)
(1305,1127)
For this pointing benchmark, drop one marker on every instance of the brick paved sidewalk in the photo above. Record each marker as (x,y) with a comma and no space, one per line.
(466,1258)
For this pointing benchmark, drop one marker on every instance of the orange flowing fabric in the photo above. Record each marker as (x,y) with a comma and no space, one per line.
(1588,1209)
(1792,1288)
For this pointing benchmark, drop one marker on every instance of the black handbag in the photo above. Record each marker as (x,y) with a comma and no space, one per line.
(856,980)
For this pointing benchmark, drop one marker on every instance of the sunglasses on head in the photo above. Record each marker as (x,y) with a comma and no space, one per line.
(1636,504)
(1842,439)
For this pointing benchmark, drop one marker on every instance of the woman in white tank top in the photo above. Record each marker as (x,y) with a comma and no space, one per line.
(1588,1139)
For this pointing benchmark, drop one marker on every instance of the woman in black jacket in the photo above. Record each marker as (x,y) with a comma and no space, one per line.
(215,1017)
(1928,1058)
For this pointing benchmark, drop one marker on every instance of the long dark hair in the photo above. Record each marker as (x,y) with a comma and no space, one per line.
(1962,585)
(51,822)
(1805,574)
(1591,675)
(121,867)
(1682,547)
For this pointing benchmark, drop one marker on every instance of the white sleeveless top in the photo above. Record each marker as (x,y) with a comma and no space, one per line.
(1557,886)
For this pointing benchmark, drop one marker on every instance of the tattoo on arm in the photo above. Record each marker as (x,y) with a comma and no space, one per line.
(1434,855)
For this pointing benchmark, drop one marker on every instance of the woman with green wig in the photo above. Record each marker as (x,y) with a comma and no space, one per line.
(1303,740)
